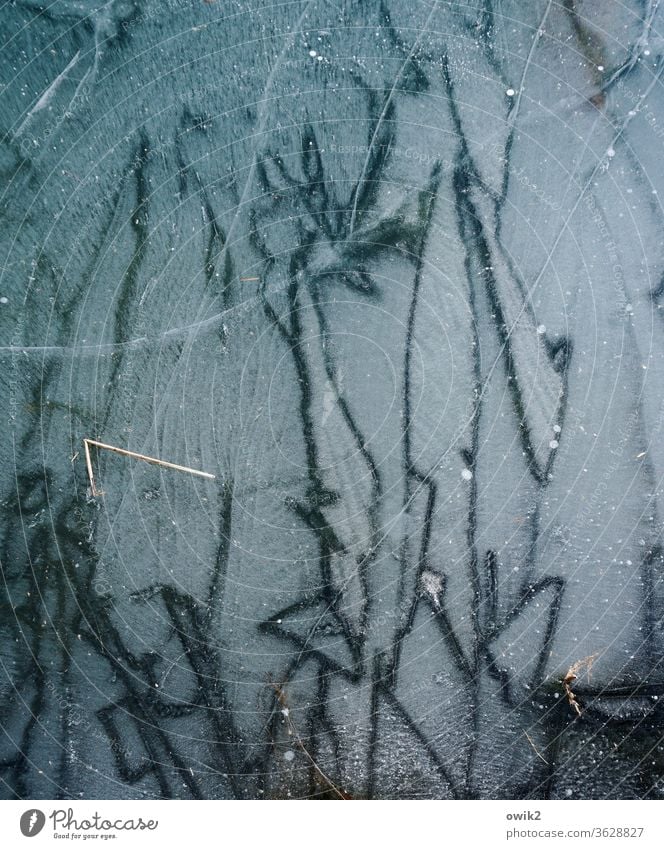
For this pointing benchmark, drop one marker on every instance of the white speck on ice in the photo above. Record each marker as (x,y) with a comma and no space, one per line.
(510,92)
(432,583)
(4,300)
(610,153)
(289,755)
(466,474)
(553,443)
(541,329)
(313,54)
(556,428)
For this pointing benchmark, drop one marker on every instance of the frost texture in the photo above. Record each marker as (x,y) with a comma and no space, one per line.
(393,274)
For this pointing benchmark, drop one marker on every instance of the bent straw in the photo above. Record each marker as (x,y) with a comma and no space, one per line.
(125,453)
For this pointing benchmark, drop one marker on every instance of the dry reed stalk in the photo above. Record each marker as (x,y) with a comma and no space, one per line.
(125,453)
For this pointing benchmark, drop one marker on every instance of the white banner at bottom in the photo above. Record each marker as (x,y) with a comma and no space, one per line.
(294,824)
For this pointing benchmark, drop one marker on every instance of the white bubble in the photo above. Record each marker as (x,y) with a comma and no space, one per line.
(510,92)
(312,53)
(466,474)
(553,444)
(541,329)
(4,300)
(289,755)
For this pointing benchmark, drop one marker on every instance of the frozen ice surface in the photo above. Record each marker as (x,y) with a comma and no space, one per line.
(392,272)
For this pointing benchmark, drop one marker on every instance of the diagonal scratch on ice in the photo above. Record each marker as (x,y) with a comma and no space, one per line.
(641,43)
(173,333)
(511,119)
(568,103)
(583,188)
(48,93)
(263,119)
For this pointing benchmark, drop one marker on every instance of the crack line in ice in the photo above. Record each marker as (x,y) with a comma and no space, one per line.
(48,93)
(536,37)
(583,188)
(174,332)
(386,105)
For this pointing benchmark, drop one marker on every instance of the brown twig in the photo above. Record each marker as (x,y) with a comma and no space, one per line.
(536,750)
(125,453)
(285,711)
(572,675)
